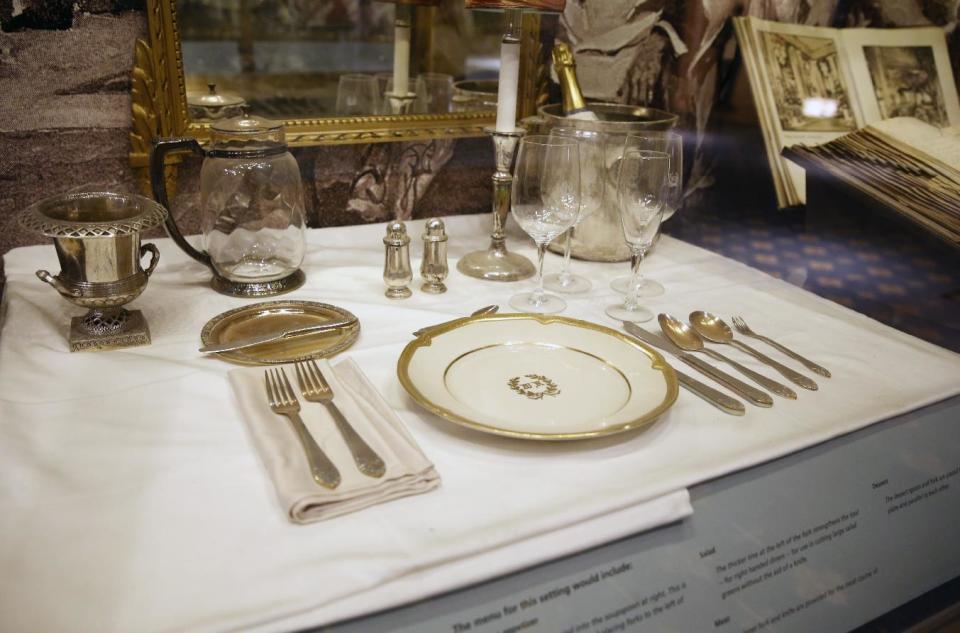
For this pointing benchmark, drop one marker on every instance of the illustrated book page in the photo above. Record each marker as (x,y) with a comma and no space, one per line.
(803,88)
(902,73)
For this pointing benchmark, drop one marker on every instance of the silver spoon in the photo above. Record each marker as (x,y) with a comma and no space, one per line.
(685,338)
(484,310)
(713,328)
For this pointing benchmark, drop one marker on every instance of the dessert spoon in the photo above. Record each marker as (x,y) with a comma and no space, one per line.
(683,336)
(713,328)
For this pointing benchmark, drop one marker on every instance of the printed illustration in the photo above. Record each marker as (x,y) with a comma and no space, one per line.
(905,82)
(807,83)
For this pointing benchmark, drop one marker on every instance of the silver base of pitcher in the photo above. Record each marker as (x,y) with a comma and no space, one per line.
(255,289)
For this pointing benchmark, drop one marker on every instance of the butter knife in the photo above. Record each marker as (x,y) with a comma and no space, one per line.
(276,336)
(492,309)
(749,392)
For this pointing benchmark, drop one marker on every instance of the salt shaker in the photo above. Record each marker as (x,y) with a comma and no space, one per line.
(396,265)
(433,268)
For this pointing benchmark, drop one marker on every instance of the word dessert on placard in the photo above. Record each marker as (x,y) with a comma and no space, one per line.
(910,495)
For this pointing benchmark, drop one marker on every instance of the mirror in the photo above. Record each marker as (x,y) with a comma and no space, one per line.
(288,59)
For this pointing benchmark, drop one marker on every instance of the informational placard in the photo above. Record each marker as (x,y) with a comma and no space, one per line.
(825,540)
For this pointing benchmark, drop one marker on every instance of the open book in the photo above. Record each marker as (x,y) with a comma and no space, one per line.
(904,164)
(813,84)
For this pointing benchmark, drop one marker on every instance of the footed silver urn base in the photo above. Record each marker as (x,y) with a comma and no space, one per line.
(112,328)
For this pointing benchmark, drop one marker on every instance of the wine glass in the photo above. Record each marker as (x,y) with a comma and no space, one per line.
(357,95)
(434,92)
(641,194)
(671,144)
(545,200)
(592,190)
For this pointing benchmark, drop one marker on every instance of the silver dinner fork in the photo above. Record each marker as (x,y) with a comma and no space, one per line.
(315,388)
(742,327)
(283,401)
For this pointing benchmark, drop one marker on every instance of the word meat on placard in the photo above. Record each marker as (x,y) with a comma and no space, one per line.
(809,602)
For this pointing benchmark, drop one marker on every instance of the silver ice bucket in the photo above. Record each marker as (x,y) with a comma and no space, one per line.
(599,237)
(97,238)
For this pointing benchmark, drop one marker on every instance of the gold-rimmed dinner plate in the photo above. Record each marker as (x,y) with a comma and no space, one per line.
(537,377)
(275,316)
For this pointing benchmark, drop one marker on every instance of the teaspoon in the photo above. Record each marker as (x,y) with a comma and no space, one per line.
(713,328)
(685,338)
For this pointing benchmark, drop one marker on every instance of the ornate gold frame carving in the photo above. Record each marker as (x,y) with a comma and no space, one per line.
(159,101)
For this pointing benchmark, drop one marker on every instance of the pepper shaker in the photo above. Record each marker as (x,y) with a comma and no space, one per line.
(396,265)
(434,268)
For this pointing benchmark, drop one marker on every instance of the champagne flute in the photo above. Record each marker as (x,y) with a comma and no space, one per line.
(545,200)
(671,144)
(592,190)
(641,193)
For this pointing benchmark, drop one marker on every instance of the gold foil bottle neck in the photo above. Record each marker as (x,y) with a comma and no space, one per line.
(566,67)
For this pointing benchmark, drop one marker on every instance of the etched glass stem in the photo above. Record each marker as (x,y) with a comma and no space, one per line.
(632,299)
(567,251)
(536,298)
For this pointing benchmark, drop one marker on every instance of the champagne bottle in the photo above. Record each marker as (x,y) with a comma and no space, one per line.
(574,106)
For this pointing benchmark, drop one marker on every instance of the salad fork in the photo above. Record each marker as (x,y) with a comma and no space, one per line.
(283,401)
(315,388)
(741,326)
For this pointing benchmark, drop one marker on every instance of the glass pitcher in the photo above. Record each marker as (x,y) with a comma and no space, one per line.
(252,214)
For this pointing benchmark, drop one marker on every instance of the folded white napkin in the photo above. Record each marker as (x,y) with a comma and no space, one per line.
(408,470)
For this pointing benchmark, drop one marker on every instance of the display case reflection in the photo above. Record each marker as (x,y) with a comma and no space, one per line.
(323,58)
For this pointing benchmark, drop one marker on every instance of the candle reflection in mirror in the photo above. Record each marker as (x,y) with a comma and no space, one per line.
(401,50)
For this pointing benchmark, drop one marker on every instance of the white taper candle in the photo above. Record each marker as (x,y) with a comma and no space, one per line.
(507,88)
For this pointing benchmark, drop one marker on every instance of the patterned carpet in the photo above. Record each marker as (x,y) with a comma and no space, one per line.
(838,250)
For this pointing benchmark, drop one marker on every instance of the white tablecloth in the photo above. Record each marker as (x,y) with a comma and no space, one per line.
(131,497)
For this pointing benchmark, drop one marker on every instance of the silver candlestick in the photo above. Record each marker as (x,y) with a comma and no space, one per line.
(496,263)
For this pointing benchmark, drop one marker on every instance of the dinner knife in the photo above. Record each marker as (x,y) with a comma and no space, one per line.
(749,392)
(276,336)
(717,398)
